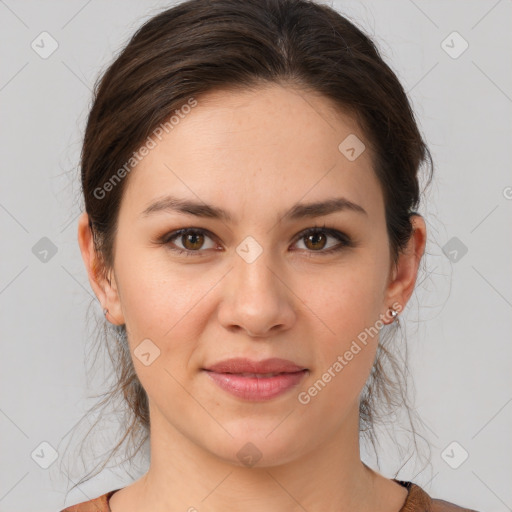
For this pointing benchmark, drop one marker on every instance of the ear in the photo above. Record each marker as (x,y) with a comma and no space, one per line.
(105,288)
(404,274)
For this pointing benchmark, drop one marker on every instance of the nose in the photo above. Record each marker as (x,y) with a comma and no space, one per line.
(257,298)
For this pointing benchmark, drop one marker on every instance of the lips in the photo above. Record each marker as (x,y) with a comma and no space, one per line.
(256,380)
(267,367)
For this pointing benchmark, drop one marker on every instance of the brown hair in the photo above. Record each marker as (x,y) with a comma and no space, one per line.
(198,46)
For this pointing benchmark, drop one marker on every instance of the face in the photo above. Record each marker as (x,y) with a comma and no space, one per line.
(259,282)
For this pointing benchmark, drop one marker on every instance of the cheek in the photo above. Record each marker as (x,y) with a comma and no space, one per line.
(346,312)
(171,309)
(166,308)
(156,300)
(346,300)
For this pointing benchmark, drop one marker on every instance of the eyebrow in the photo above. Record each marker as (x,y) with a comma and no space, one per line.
(298,211)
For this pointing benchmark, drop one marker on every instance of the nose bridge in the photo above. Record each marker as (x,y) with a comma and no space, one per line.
(255,298)
(253,264)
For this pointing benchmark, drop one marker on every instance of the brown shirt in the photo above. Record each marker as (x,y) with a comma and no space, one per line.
(417,501)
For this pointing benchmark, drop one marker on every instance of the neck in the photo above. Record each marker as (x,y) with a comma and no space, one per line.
(185,476)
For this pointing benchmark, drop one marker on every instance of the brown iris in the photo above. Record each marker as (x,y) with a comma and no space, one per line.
(192,241)
(314,239)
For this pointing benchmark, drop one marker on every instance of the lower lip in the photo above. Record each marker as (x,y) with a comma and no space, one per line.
(257,389)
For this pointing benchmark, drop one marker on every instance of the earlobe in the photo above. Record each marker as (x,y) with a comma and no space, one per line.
(405,273)
(105,289)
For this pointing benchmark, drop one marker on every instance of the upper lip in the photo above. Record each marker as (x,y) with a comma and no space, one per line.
(243,365)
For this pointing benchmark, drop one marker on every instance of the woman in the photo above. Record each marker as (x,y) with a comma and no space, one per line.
(250,176)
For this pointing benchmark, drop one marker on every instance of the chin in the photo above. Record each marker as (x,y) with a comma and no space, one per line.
(259,447)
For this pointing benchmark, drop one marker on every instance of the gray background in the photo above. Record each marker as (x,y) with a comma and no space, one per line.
(458,321)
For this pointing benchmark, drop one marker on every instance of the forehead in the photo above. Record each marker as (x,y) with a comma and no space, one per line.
(242,146)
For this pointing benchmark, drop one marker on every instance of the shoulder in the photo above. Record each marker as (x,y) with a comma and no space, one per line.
(445,506)
(99,504)
(418,500)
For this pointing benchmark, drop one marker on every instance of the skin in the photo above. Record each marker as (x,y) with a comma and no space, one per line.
(255,154)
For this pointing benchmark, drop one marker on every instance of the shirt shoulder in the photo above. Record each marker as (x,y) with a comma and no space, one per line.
(419,501)
(99,504)
(445,506)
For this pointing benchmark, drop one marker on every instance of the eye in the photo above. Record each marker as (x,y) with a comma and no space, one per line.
(192,240)
(316,240)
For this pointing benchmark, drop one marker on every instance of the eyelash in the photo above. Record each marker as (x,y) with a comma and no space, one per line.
(345,240)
